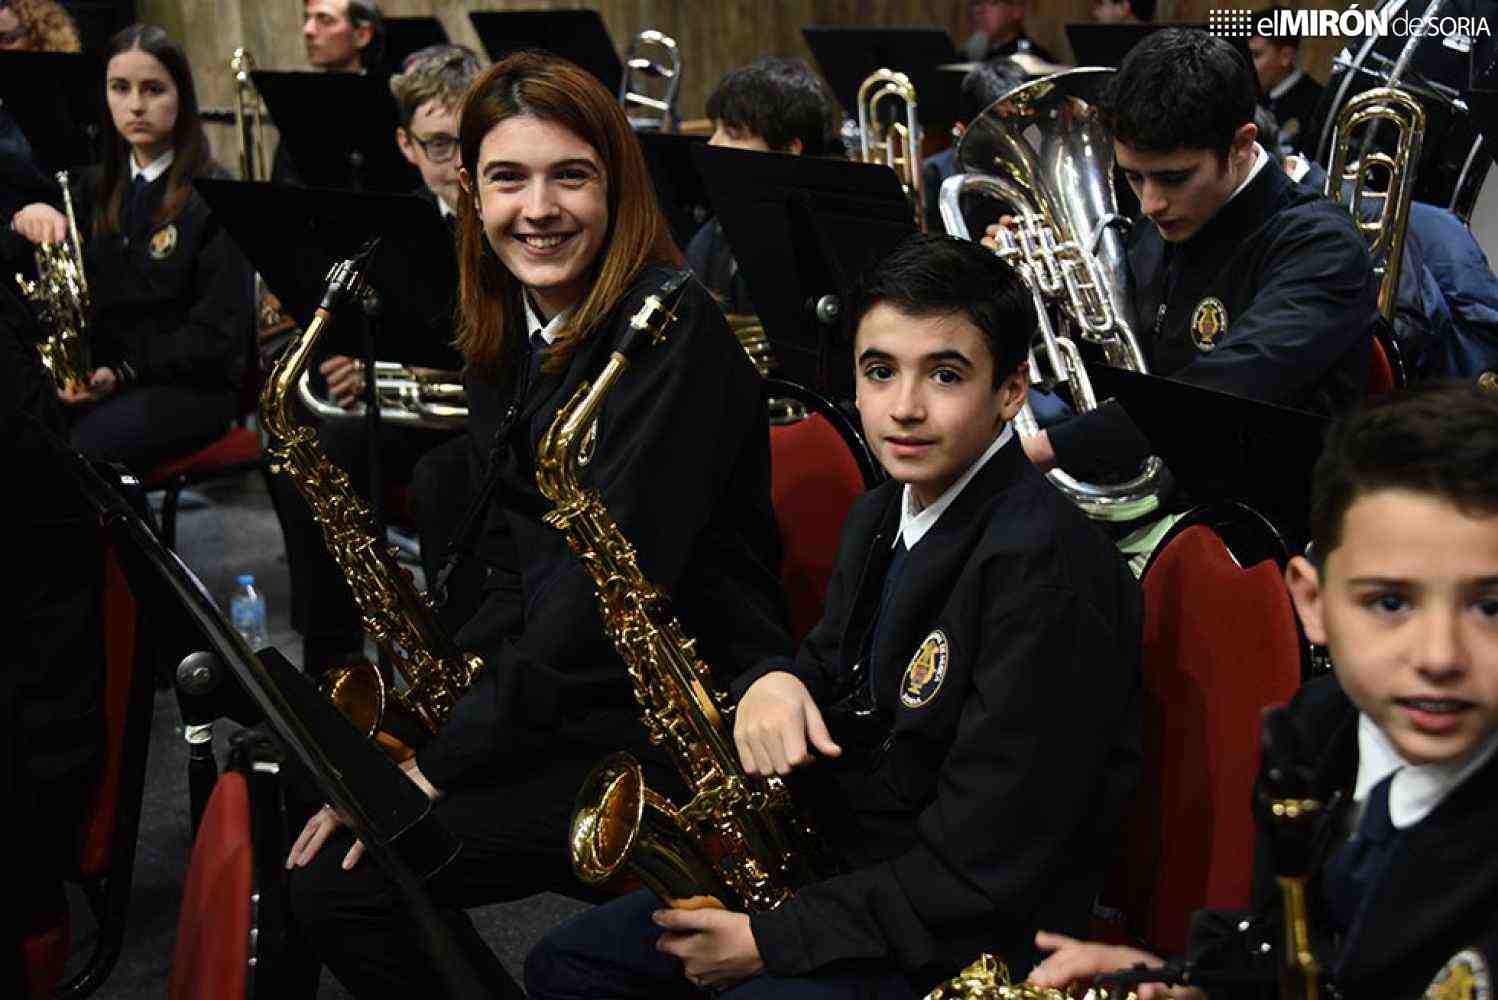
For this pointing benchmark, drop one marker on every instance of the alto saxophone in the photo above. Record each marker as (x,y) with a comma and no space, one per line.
(60,292)
(739,843)
(988,979)
(396,615)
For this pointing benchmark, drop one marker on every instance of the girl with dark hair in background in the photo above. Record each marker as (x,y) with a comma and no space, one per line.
(171,292)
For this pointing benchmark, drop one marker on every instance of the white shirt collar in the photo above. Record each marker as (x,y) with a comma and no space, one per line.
(1259,163)
(533,324)
(445,210)
(915,523)
(1417,788)
(1283,87)
(154,169)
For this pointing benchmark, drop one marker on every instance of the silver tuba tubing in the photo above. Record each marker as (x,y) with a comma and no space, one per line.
(1041,149)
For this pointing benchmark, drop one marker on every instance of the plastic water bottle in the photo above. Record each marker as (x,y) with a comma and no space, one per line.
(247,612)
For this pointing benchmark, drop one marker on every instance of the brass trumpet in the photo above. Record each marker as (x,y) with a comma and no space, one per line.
(898,145)
(408,397)
(60,292)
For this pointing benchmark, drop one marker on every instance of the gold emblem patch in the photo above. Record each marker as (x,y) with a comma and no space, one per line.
(928,668)
(163,242)
(1209,323)
(1465,977)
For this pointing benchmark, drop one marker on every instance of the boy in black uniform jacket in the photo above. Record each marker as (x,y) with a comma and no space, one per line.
(1241,280)
(1400,744)
(977,664)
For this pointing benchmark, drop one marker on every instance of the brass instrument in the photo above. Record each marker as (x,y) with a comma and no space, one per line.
(897,145)
(249,118)
(988,979)
(661,116)
(60,292)
(408,397)
(1348,181)
(1488,381)
(756,343)
(396,615)
(1067,246)
(738,843)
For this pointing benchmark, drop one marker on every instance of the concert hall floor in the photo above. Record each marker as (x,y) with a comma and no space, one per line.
(236,532)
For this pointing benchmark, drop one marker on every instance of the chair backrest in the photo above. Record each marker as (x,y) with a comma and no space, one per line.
(1220,645)
(213,951)
(813,482)
(1381,377)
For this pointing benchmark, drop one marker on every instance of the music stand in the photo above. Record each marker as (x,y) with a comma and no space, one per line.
(1230,448)
(393,818)
(339,129)
(802,229)
(578,35)
(677,184)
(405,35)
(847,55)
(57,99)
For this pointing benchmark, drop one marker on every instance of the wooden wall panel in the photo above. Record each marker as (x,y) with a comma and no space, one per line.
(715,35)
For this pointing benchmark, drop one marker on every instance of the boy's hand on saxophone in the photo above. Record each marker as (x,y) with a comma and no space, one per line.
(777,725)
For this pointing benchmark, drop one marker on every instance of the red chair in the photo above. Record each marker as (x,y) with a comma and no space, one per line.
(818,467)
(1221,644)
(1386,369)
(107,838)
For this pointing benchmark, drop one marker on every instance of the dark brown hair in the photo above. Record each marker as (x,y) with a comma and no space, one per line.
(549,88)
(189,143)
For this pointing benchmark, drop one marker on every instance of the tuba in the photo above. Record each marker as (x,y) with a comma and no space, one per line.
(739,842)
(396,615)
(408,397)
(1068,248)
(60,292)
(898,144)
(661,111)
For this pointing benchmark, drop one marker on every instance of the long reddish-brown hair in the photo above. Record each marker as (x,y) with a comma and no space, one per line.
(553,90)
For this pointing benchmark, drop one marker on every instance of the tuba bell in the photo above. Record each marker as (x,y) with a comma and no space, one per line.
(898,144)
(1042,150)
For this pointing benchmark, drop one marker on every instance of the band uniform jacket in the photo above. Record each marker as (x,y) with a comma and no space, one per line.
(682,461)
(1294,111)
(1007,684)
(1431,911)
(1274,299)
(173,300)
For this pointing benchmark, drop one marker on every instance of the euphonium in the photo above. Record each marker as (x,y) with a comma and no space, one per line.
(409,397)
(396,615)
(1067,247)
(738,843)
(898,145)
(61,294)
(1349,180)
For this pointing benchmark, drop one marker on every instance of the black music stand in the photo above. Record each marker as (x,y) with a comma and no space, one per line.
(405,35)
(1224,447)
(847,55)
(802,229)
(339,129)
(578,35)
(385,809)
(677,184)
(57,99)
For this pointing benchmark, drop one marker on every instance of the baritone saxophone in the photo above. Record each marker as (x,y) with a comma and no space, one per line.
(739,842)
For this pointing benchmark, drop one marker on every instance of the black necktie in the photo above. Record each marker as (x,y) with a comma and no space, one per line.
(1353,872)
(880,633)
(135,198)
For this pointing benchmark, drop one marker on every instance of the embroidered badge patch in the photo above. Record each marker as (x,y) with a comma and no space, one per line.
(928,668)
(1209,322)
(163,242)
(1465,977)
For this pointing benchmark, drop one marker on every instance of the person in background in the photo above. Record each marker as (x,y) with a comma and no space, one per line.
(981,86)
(1123,11)
(37,26)
(999,30)
(1289,93)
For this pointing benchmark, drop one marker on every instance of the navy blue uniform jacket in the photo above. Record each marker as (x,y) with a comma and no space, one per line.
(1297,295)
(1436,898)
(985,817)
(682,460)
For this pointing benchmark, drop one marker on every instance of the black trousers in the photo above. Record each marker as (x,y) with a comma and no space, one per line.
(146,424)
(514,838)
(322,606)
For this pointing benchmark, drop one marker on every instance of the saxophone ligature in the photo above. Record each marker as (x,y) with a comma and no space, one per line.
(60,293)
(396,615)
(897,144)
(739,842)
(1042,150)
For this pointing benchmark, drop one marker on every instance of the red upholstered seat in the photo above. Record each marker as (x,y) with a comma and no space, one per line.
(44,955)
(814,480)
(239,446)
(1220,645)
(96,840)
(213,952)
(1382,378)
